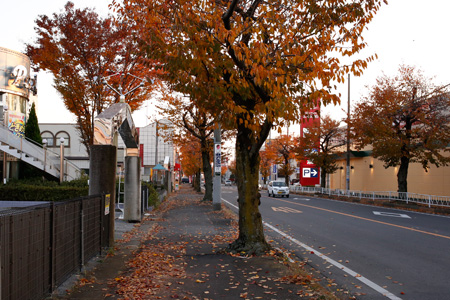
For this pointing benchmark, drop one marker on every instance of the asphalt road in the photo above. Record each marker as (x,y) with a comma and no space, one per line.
(373,252)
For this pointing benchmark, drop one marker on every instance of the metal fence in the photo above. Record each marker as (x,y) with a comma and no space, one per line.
(41,246)
(428,200)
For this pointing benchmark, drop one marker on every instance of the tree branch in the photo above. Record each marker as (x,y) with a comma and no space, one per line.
(227,15)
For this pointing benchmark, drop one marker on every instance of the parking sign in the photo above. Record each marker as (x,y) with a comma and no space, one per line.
(310,173)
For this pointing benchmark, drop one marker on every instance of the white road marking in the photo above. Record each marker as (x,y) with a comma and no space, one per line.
(304,199)
(350,272)
(388,214)
(286,210)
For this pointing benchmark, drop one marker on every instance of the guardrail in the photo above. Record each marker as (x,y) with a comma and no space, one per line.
(429,200)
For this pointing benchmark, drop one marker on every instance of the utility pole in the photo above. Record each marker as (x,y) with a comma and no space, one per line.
(217,187)
(348,136)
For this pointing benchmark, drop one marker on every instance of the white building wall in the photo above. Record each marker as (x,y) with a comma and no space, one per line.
(74,149)
(156,151)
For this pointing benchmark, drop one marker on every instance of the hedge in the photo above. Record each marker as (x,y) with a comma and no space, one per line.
(38,190)
(41,193)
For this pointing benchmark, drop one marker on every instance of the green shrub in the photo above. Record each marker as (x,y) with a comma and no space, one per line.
(80,182)
(153,196)
(36,189)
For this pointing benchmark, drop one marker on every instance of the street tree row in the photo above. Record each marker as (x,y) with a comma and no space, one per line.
(404,119)
(251,65)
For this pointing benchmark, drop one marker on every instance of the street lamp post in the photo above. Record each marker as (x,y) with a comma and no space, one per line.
(132,194)
(5,166)
(348,138)
(119,90)
(44,142)
(61,150)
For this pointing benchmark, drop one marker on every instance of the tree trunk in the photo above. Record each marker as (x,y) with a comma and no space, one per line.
(402,175)
(323,178)
(207,171)
(197,186)
(251,238)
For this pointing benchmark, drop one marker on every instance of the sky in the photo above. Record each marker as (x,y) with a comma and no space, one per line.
(410,32)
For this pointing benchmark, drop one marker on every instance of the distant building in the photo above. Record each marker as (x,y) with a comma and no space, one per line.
(368,174)
(17,90)
(153,151)
(156,147)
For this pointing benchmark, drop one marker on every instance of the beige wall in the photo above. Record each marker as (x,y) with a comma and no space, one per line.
(434,182)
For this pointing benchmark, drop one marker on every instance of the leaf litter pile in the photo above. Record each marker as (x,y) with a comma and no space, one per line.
(182,258)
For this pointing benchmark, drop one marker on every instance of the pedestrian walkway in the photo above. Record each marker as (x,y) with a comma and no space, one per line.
(177,253)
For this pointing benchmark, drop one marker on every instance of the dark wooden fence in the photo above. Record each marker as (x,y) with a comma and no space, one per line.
(41,246)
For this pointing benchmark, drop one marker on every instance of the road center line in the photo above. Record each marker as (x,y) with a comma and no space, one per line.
(367,219)
(352,273)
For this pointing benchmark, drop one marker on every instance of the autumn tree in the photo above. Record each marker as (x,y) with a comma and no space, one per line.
(322,143)
(232,169)
(255,65)
(405,119)
(79,48)
(197,124)
(281,150)
(191,159)
(265,164)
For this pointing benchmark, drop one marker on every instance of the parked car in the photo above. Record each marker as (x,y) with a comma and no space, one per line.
(227,182)
(278,188)
(184,180)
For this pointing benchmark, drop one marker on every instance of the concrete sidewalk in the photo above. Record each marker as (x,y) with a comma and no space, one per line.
(176,253)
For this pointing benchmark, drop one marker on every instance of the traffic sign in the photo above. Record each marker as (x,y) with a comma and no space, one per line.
(217,160)
(310,173)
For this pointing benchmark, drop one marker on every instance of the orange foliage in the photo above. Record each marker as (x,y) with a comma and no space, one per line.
(190,157)
(78,47)
(405,119)
(281,151)
(265,164)
(254,65)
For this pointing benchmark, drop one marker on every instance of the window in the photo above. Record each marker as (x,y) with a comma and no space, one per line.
(47,135)
(65,135)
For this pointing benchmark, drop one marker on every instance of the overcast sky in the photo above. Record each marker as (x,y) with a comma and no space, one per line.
(408,32)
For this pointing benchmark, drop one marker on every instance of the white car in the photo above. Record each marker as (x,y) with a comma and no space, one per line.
(278,188)
(227,182)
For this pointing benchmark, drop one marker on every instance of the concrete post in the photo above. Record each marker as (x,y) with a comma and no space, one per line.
(102,179)
(217,186)
(132,190)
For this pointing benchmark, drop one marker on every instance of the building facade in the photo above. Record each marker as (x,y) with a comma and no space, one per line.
(74,149)
(152,151)
(368,174)
(156,148)
(17,91)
